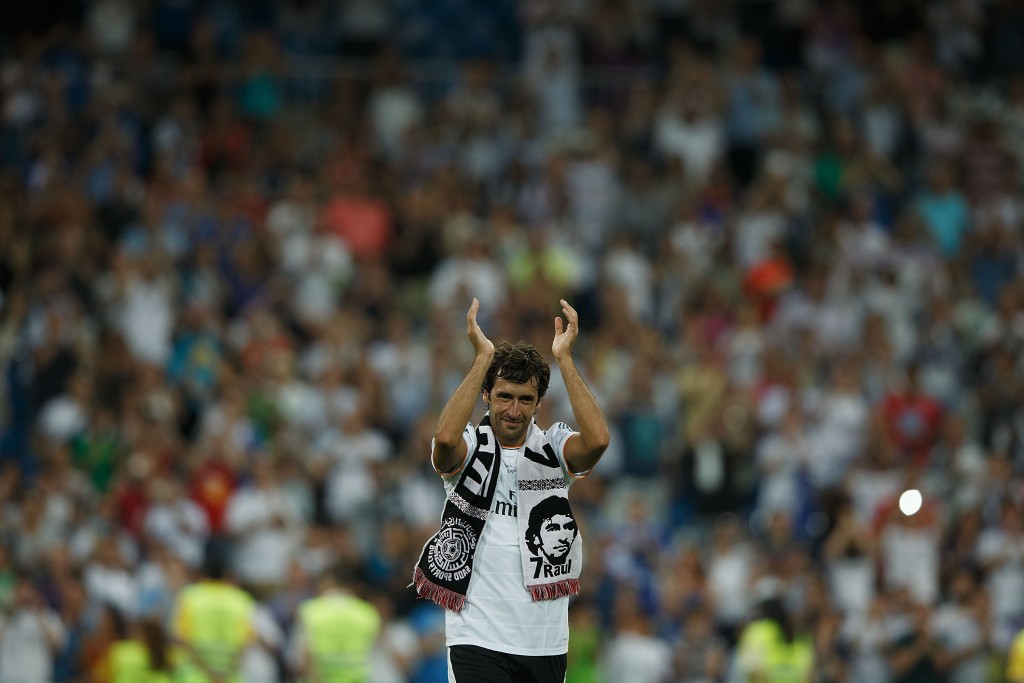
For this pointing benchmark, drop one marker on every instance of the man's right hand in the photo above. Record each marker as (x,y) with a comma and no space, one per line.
(449,445)
(481,344)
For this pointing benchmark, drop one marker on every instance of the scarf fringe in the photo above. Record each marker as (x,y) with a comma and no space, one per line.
(444,597)
(558,589)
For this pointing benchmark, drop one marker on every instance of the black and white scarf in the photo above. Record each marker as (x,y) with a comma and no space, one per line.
(445,565)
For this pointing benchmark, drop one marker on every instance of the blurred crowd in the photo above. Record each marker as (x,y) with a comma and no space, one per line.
(237,245)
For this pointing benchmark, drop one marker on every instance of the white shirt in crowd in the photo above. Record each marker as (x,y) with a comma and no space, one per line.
(264,523)
(910,559)
(1003,553)
(147,317)
(729,572)
(182,526)
(257,664)
(638,658)
(957,630)
(351,485)
(25,655)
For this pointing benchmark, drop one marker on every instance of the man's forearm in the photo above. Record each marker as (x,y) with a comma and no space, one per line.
(458,411)
(590,418)
(54,640)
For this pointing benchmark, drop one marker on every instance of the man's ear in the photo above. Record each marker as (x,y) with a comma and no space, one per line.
(536,408)
(485,396)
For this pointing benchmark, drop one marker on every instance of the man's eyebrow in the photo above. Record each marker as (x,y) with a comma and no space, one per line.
(520,396)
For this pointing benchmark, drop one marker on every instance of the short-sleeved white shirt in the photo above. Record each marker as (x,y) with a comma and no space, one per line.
(499,613)
(25,655)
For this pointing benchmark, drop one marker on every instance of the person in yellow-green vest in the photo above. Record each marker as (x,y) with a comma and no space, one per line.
(1015,660)
(211,627)
(140,655)
(770,650)
(334,633)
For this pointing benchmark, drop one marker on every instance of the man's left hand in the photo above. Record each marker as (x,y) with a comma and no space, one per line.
(565,335)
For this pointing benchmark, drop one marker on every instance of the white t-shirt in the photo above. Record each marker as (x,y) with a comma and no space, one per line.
(1005,579)
(910,559)
(25,656)
(264,548)
(958,631)
(499,613)
(638,658)
(257,663)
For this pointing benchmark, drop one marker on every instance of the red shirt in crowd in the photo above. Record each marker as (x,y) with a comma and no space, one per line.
(912,420)
(362,222)
(211,487)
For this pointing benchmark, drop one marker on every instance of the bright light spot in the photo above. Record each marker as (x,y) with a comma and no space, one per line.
(910,501)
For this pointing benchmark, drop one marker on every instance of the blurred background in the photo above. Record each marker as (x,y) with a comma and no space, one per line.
(238,241)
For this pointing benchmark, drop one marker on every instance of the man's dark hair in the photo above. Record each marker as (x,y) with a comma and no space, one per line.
(154,635)
(346,576)
(215,561)
(542,511)
(521,363)
(118,620)
(774,609)
(343,575)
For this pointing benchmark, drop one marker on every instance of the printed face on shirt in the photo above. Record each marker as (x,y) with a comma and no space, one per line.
(551,530)
(555,538)
(512,406)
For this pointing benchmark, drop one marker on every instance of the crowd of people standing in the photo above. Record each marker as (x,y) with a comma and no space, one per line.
(238,241)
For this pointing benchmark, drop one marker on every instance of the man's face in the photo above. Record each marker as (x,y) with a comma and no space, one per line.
(25,595)
(556,536)
(512,407)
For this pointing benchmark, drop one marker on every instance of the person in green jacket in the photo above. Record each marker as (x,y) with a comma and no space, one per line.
(141,654)
(771,651)
(334,633)
(211,627)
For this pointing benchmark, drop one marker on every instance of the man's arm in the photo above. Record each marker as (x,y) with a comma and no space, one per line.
(52,627)
(449,447)
(581,454)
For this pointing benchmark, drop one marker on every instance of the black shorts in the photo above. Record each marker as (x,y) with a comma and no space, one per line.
(472,664)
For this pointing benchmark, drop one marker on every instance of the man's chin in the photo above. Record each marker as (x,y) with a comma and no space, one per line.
(508,437)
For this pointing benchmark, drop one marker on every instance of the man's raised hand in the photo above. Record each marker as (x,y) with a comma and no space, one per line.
(565,335)
(481,344)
